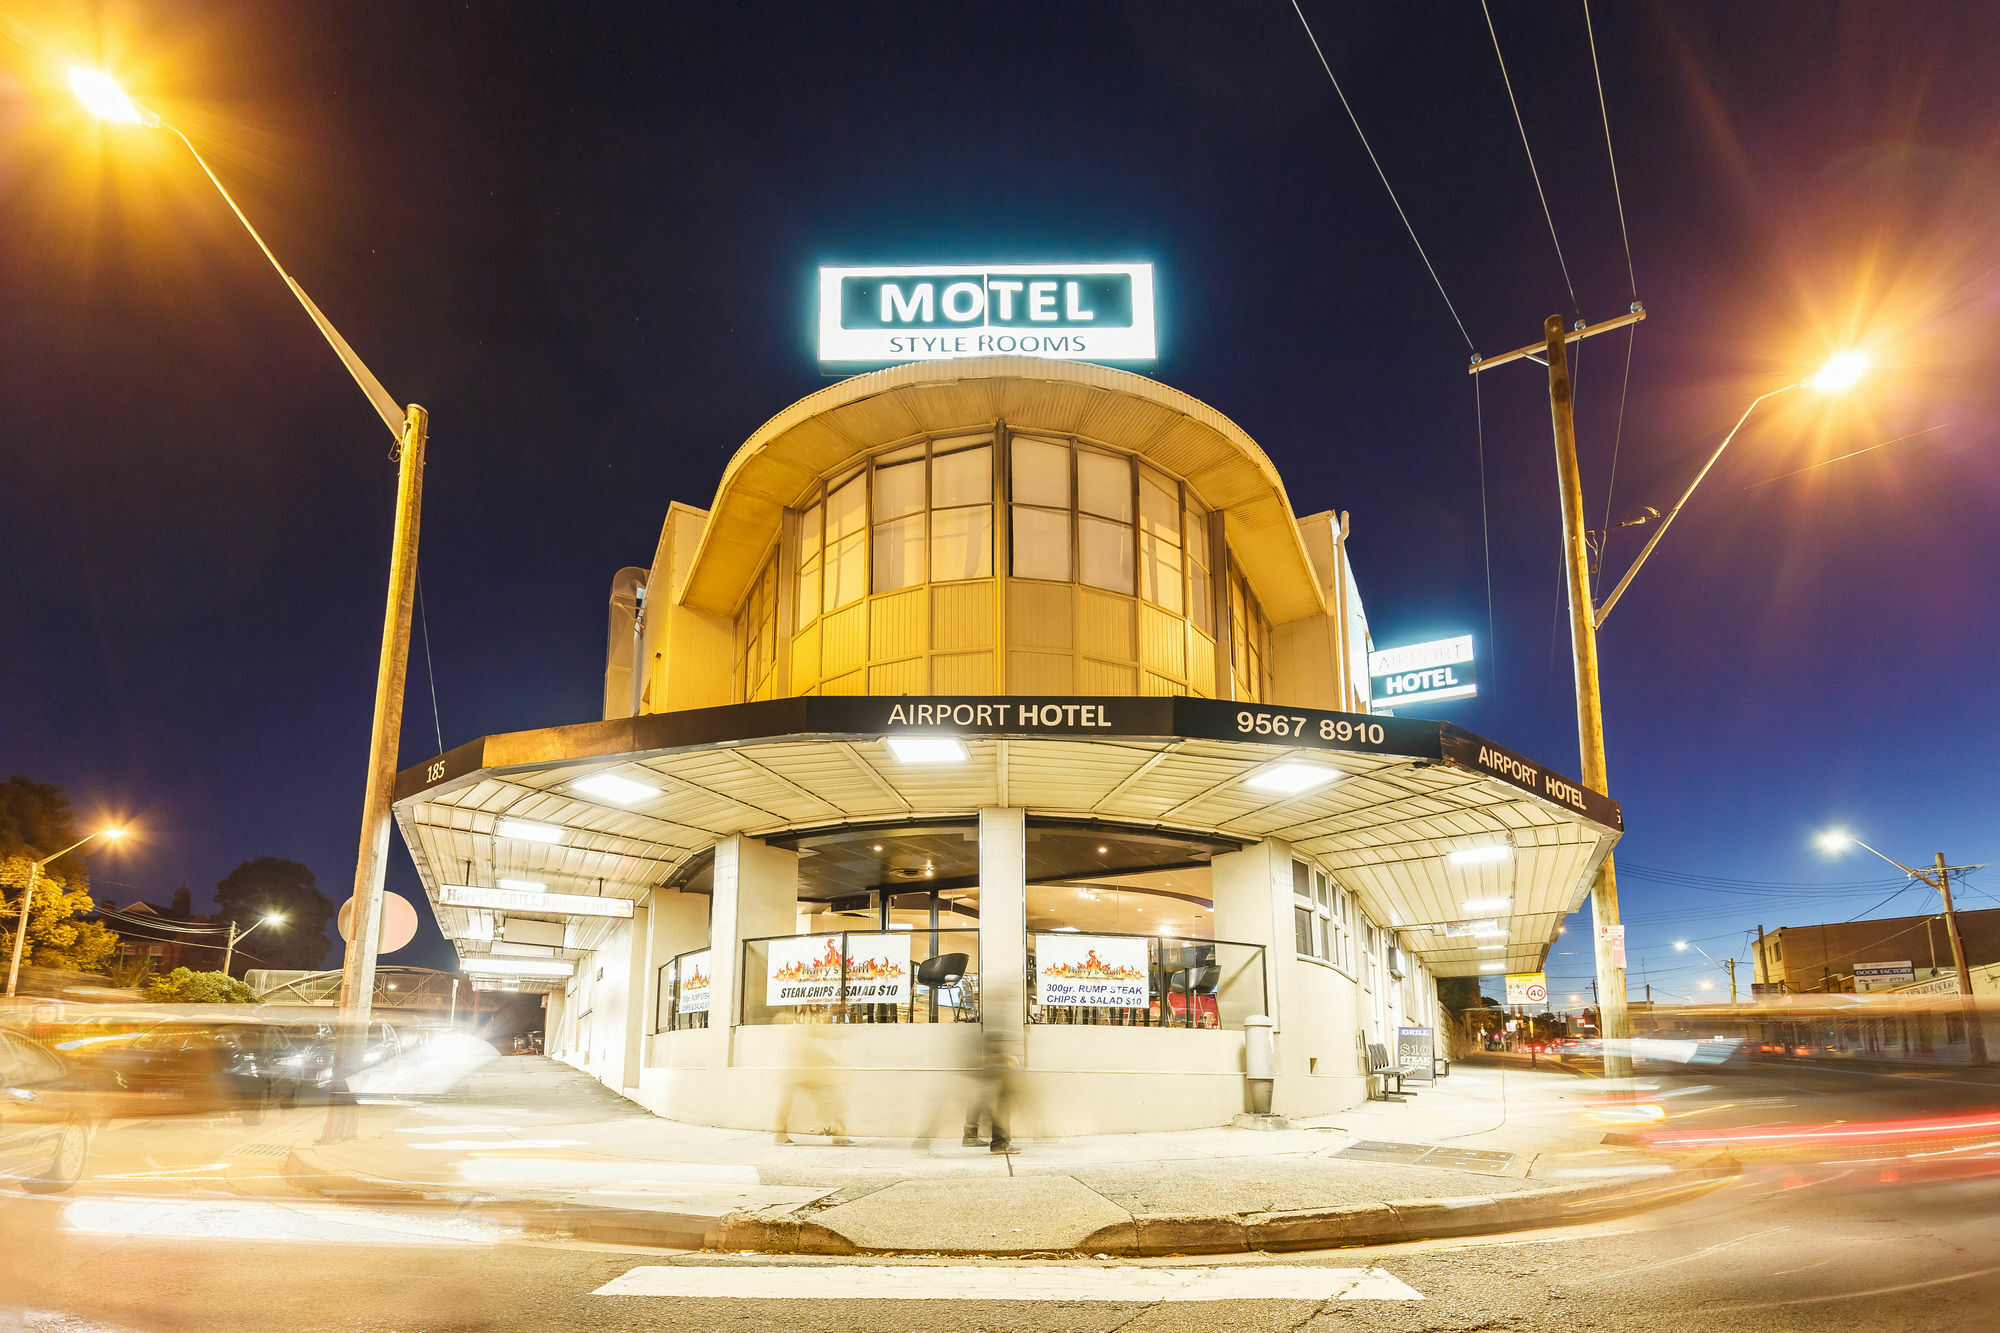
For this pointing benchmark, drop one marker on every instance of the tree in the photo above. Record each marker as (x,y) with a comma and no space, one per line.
(181,986)
(257,889)
(35,820)
(1458,994)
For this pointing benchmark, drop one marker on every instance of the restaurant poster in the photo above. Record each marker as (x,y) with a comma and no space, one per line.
(1416,1049)
(1098,971)
(691,985)
(806,969)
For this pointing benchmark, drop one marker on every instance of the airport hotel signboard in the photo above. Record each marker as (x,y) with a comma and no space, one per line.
(1073,312)
(1422,673)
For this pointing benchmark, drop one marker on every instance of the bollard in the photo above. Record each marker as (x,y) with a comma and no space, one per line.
(1260,1061)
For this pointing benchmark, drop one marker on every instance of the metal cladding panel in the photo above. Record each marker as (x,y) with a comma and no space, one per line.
(881,418)
(953,405)
(962,618)
(1048,406)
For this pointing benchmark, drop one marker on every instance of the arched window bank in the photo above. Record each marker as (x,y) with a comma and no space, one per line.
(997,701)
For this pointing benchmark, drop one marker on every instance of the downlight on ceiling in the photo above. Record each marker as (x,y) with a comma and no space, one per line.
(1291,779)
(527,830)
(1476,856)
(611,787)
(927,749)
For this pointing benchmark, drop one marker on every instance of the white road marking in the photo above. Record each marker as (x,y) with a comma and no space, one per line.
(252,1220)
(995,1282)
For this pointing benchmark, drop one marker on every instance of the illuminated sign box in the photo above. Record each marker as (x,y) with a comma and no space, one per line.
(544,904)
(1422,673)
(1073,312)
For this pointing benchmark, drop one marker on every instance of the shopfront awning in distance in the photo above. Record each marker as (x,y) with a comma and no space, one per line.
(1456,843)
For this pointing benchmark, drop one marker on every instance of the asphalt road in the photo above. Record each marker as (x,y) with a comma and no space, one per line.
(1899,1242)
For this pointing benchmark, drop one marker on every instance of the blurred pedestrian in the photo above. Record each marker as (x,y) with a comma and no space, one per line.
(814,1078)
(993,1091)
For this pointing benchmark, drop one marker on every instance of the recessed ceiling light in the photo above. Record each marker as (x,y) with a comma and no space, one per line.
(529,831)
(1291,779)
(523,885)
(1472,856)
(1488,904)
(878,846)
(1064,930)
(1491,967)
(927,749)
(611,787)
(1492,946)
(1103,850)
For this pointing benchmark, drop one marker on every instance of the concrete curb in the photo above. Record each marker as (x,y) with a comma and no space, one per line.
(1152,1234)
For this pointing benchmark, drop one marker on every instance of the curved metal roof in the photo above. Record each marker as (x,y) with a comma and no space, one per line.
(780,462)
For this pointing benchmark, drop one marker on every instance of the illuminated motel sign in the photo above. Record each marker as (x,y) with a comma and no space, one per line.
(1074,312)
(1422,673)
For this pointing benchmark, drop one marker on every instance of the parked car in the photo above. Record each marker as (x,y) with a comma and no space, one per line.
(44,1128)
(211,1068)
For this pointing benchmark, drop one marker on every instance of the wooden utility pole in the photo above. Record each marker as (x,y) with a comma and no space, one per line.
(1975,1028)
(1614,1024)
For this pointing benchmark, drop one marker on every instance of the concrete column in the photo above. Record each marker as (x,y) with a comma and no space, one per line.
(756,895)
(638,992)
(1253,905)
(1003,916)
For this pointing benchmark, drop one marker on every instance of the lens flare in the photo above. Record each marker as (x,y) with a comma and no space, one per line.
(103,98)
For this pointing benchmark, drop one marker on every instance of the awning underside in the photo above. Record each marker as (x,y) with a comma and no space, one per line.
(1385,829)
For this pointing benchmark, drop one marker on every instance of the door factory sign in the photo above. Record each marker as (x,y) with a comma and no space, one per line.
(1073,312)
(1422,673)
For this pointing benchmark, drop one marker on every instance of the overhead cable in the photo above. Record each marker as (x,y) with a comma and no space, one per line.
(1530,152)
(1384,177)
(1609,151)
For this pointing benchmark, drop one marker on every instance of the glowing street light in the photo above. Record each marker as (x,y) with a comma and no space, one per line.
(1835,841)
(236,937)
(103,98)
(410,425)
(1842,371)
(110,833)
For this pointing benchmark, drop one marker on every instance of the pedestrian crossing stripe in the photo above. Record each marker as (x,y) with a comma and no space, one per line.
(1003,1282)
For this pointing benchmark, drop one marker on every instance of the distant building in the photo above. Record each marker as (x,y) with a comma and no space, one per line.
(1800,959)
(162,933)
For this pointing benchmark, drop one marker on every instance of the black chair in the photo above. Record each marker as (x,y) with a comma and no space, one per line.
(939,973)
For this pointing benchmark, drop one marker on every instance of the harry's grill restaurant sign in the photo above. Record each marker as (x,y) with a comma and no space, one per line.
(1074,312)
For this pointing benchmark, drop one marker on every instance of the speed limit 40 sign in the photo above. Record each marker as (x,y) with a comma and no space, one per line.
(1527,988)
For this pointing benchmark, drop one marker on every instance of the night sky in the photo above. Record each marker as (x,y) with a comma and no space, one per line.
(585,237)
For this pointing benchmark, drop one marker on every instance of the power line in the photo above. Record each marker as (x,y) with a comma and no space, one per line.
(1384,176)
(1486,540)
(430,672)
(1530,152)
(1609,152)
(1618,438)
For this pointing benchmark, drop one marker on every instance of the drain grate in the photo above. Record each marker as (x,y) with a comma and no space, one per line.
(1426,1154)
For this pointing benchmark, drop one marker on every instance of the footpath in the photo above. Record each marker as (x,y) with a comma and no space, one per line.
(532,1143)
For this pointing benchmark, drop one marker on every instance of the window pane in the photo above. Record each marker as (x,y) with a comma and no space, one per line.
(963,478)
(1301,883)
(1041,473)
(962,543)
(1197,533)
(899,553)
(845,567)
(899,490)
(808,605)
(902,455)
(1160,572)
(809,525)
(844,510)
(1302,936)
(1201,598)
(1159,505)
(1106,552)
(1041,544)
(1104,485)
(1319,938)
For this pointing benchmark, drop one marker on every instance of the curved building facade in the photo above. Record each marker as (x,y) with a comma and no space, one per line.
(996,708)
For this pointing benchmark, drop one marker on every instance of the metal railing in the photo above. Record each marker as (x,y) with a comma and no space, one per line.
(1183,983)
(862,976)
(678,1010)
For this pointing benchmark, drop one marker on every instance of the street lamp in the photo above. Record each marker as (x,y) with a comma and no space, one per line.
(1842,371)
(111,833)
(1835,841)
(1728,963)
(1587,615)
(410,425)
(235,938)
